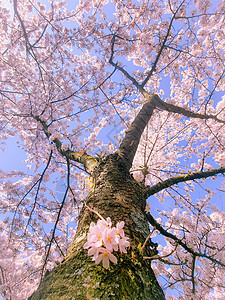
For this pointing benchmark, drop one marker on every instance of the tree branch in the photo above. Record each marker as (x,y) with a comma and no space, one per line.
(58,218)
(155,224)
(129,145)
(185,112)
(163,45)
(132,137)
(121,69)
(29,47)
(149,191)
(193,274)
(159,54)
(85,159)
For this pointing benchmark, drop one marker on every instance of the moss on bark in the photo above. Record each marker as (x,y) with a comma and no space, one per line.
(117,195)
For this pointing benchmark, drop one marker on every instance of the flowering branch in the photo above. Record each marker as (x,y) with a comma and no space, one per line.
(58,218)
(159,256)
(146,240)
(85,159)
(132,137)
(185,112)
(121,69)
(164,232)
(38,183)
(161,49)
(129,145)
(149,191)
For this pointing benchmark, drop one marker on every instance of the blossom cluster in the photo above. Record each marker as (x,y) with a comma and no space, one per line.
(103,239)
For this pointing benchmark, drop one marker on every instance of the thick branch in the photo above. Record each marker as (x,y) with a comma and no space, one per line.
(185,112)
(155,224)
(182,178)
(131,140)
(132,137)
(86,160)
(193,274)
(129,145)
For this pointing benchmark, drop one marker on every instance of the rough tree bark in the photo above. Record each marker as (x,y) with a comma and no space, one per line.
(118,195)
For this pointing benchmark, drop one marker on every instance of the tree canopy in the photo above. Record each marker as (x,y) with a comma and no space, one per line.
(143,79)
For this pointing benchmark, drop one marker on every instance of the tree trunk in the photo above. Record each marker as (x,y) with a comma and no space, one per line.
(115,194)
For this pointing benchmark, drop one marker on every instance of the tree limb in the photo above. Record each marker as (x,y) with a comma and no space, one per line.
(193,274)
(149,191)
(159,54)
(57,219)
(132,137)
(29,47)
(155,224)
(163,45)
(121,69)
(185,112)
(129,145)
(85,159)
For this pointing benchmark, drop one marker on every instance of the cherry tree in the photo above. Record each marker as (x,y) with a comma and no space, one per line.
(152,74)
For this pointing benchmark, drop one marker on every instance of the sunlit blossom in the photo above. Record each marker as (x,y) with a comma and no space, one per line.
(102,240)
(105,257)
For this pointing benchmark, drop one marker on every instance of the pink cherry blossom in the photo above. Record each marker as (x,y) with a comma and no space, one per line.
(123,243)
(110,239)
(105,257)
(119,228)
(102,237)
(96,236)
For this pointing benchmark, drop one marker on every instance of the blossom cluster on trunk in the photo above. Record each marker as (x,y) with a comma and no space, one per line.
(103,239)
